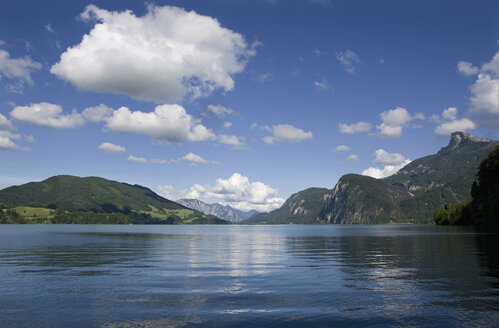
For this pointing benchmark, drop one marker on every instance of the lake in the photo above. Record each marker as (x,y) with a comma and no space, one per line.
(248,276)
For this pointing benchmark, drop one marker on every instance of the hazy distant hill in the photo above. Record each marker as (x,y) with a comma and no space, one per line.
(97,195)
(221,211)
(410,195)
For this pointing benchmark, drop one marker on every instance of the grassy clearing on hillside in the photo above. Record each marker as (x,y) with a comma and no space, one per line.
(164,213)
(30,212)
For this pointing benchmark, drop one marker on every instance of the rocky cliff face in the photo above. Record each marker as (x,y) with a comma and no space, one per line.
(221,211)
(362,199)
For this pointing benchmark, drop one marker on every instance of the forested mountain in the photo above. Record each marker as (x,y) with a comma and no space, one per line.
(66,194)
(410,195)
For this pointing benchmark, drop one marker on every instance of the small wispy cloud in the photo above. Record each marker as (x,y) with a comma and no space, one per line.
(349,60)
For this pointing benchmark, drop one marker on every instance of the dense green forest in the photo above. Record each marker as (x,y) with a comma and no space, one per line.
(483,208)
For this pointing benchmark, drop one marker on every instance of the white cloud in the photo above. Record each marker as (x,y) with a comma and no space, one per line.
(49,29)
(341,148)
(169,192)
(467,68)
(397,116)
(46,114)
(5,123)
(194,159)
(7,144)
(353,158)
(231,140)
(287,133)
(236,191)
(383,157)
(169,123)
(355,128)
(387,131)
(10,135)
(220,111)
(5,135)
(452,123)
(266,77)
(253,126)
(394,120)
(161,56)
(450,113)
(137,159)
(322,85)
(227,124)
(419,116)
(159,161)
(17,70)
(385,171)
(485,98)
(97,113)
(348,59)
(111,148)
(318,52)
(392,163)
(492,66)
(445,129)
(29,138)
(485,93)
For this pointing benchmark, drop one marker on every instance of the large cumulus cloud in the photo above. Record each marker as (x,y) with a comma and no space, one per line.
(162,56)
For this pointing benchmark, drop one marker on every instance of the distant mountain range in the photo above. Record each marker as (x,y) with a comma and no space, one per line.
(59,196)
(224,212)
(410,195)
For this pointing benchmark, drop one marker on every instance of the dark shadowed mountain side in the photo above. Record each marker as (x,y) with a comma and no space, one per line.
(410,195)
(221,211)
(302,207)
(69,194)
(483,208)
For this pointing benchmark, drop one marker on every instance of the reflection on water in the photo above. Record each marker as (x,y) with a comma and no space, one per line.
(246,276)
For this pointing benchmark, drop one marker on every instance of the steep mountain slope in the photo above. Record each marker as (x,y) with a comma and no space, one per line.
(302,207)
(411,195)
(362,199)
(97,195)
(454,165)
(423,186)
(221,211)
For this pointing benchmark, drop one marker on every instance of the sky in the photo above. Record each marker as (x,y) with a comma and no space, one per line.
(240,102)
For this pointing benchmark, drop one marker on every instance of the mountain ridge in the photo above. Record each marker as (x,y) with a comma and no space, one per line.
(410,195)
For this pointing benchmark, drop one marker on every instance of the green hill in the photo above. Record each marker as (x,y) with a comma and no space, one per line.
(95,198)
(410,195)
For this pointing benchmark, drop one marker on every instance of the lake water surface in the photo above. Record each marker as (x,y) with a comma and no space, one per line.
(247,276)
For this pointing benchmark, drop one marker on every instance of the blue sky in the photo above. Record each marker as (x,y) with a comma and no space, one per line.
(240,102)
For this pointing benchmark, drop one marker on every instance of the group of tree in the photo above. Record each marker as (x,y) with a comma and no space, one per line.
(8,215)
(483,208)
(59,216)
